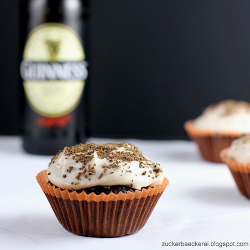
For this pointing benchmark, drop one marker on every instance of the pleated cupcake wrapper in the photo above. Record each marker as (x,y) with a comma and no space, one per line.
(101,215)
(210,143)
(240,172)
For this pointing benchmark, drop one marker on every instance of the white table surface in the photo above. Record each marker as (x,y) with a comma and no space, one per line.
(200,204)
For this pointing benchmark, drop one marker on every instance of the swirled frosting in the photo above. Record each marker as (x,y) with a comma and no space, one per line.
(90,164)
(226,116)
(240,149)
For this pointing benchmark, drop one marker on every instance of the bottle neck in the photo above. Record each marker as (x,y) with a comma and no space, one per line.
(54,10)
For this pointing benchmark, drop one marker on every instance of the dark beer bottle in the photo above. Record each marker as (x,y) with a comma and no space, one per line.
(53,70)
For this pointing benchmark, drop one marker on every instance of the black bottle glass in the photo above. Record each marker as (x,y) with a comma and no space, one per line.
(53,72)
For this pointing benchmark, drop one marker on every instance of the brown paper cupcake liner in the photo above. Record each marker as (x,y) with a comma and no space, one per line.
(240,172)
(101,215)
(210,143)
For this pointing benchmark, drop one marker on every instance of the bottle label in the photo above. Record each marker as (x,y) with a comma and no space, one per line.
(53,70)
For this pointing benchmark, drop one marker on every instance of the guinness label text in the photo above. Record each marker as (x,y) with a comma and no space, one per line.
(63,71)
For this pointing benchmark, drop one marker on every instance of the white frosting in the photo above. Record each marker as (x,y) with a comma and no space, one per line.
(240,150)
(64,171)
(220,119)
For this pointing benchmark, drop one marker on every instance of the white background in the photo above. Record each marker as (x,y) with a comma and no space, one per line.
(201,203)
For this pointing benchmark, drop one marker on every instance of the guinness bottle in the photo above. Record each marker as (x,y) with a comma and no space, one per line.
(53,70)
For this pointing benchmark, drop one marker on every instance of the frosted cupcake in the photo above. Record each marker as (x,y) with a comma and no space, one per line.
(237,157)
(102,190)
(218,126)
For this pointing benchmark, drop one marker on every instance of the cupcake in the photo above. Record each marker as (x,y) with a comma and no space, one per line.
(237,157)
(102,190)
(218,126)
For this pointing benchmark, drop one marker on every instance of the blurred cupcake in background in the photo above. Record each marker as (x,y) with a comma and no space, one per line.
(218,126)
(237,157)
